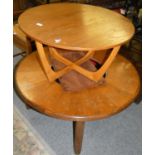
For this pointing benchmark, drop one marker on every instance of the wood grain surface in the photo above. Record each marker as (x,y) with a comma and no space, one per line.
(120,89)
(76,26)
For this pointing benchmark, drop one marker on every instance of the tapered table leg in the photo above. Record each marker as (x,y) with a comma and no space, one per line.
(78,130)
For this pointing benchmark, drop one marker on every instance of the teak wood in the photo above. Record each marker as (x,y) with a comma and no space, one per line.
(121,87)
(78,131)
(76,27)
(95,76)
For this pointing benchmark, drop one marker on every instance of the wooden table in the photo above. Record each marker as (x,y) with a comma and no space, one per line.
(76,27)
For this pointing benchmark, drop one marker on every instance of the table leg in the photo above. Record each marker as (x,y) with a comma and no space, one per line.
(78,130)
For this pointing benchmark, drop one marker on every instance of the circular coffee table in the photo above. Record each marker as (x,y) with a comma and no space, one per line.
(76,27)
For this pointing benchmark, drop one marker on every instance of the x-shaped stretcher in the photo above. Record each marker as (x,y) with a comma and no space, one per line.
(53,75)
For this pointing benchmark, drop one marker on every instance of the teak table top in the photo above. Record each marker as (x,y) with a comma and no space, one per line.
(120,89)
(76,26)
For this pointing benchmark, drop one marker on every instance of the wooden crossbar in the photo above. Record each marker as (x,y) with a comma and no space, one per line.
(52,75)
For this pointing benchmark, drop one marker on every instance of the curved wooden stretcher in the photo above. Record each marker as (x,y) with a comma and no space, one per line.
(95,76)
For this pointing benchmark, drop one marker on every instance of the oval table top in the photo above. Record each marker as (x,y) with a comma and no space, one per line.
(76,26)
(120,89)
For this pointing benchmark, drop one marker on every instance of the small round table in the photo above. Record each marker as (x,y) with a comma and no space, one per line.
(76,27)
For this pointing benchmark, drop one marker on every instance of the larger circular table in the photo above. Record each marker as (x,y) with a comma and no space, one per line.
(76,27)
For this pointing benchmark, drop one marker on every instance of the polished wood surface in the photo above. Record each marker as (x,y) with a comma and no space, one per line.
(119,90)
(96,75)
(21,40)
(70,27)
(70,65)
(76,26)
(78,132)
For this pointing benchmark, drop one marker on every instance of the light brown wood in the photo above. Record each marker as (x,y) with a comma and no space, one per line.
(76,26)
(52,75)
(21,40)
(44,62)
(119,90)
(95,76)
(78,132)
